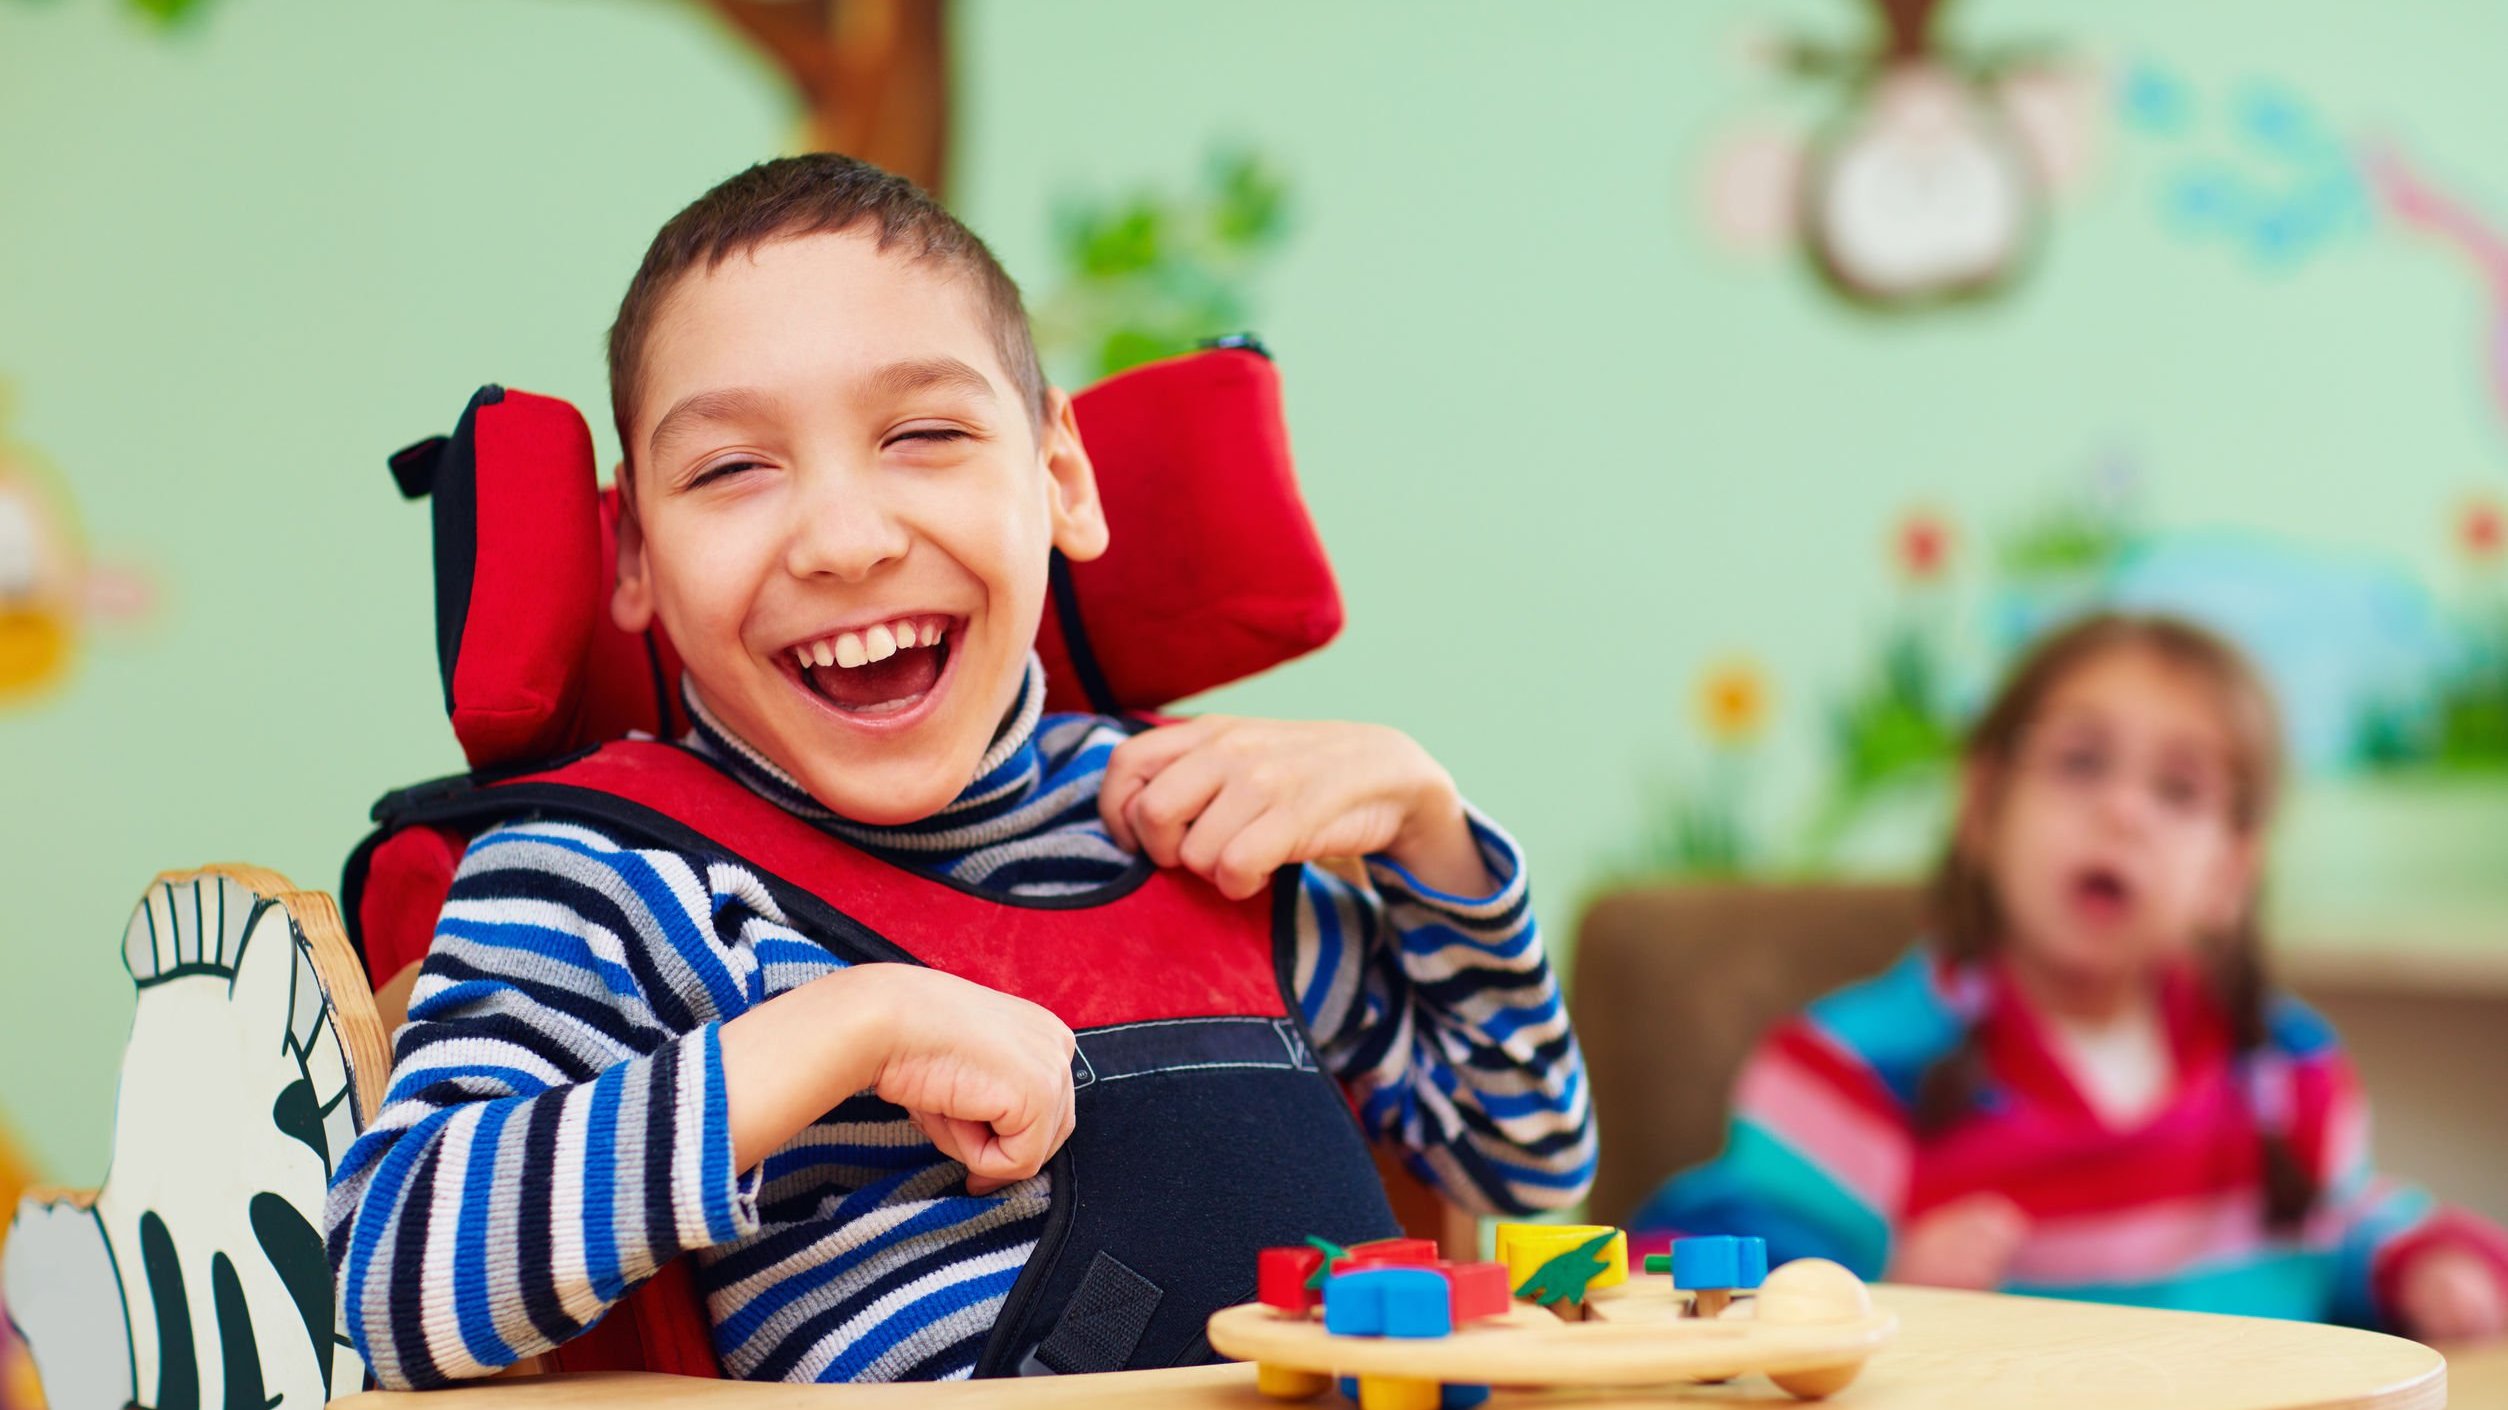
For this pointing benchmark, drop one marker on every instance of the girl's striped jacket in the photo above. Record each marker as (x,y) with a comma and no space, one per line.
(1824,1157)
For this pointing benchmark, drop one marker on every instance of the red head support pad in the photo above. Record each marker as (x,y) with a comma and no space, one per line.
(1214,572)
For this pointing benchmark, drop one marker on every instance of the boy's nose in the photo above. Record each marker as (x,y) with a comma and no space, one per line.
(841,530)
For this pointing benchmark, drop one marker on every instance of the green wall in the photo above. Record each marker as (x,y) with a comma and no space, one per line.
(1564,451)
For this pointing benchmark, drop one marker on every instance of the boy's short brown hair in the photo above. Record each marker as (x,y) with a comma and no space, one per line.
(818,194)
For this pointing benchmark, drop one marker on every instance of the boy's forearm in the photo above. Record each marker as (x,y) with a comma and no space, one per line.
(790,1059)
(1467,963)
(543,1177)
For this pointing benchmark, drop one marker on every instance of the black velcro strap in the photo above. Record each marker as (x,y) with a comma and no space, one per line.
(413,467)
(1075,637)
(1101,1324)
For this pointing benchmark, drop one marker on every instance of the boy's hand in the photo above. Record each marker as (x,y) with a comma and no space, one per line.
(986,1075)
(1968,1243)
(1233,800)
(2451,1294)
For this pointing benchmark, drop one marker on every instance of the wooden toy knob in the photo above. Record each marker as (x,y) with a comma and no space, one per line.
(1812,1290)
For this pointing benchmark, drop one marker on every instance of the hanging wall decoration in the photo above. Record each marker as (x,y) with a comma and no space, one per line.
(1931,181)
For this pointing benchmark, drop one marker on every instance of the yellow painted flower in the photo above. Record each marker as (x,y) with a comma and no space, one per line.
(1733,699)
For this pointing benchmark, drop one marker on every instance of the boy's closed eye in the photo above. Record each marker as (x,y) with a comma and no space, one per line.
(710,474)
(916,437)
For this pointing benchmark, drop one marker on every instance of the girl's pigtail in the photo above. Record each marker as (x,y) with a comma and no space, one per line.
(2290,1191)
(1956,1082)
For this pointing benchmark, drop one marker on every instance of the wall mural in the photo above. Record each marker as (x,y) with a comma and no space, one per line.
(871,76)
(2379,675)
(2393,674)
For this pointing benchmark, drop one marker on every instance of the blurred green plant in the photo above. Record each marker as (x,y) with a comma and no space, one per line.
(2071,539)
(1153,274)
(1897,727)
(2460,727)
(2459,721)
(163,12)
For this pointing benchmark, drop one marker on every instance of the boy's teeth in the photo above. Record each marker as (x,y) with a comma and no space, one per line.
(847,650)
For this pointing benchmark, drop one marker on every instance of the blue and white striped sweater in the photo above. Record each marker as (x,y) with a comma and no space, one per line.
(556,1127)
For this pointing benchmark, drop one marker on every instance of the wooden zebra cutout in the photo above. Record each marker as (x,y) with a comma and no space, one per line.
(197,1276)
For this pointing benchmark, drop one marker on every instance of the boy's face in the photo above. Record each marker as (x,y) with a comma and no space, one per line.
(830,459)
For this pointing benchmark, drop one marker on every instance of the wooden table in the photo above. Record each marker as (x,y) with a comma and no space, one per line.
(1954,1351)
(2477,1377)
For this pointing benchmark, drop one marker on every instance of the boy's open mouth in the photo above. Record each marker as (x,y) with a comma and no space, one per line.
(2102,894)
(881,670)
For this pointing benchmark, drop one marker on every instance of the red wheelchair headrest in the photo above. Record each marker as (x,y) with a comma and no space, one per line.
(1214,571)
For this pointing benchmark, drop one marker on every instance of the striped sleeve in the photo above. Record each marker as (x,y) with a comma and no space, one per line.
(556,1127)
(1817,1155)
(1441,1016)
(2378,1225)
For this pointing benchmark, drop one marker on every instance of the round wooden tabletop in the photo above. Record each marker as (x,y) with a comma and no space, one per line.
(1953,1351)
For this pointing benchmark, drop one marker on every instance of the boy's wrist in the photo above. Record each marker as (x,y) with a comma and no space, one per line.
(1436,847)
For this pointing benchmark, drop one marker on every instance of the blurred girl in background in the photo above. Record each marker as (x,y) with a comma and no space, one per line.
(2084,1086)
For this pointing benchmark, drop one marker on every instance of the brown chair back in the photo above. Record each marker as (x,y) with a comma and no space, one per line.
(1675,983)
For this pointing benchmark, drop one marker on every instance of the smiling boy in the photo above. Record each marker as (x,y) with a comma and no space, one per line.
(844,480)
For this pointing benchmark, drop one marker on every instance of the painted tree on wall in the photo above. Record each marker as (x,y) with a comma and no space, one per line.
(872,76)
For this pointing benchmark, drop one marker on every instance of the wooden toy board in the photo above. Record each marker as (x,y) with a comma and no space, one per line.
(1953,1351)
(1634,1334)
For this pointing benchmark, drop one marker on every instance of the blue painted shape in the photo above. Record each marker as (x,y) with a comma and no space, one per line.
(1723,1261)
(1391,1302)
(1454,1397)
(2156,100)
(1349,1387)
(1754,1262)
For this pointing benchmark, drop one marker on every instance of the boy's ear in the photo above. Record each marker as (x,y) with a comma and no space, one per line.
(1079,517)
(631,597)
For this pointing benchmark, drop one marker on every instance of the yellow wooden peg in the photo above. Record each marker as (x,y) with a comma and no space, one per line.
(1523,1248)
(1398,1393)
(1288,1382)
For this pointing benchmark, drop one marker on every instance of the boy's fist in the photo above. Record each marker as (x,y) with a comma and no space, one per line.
(1968,1243)
(1234,800)
(987,1076)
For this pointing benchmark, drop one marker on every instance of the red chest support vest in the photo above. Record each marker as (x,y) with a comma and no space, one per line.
(1206,1129)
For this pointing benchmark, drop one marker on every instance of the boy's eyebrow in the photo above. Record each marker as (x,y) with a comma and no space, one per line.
(894,380)
(923,373)
(726,404)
